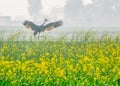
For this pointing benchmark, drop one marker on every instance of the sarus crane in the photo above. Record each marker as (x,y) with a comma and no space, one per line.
(38,29)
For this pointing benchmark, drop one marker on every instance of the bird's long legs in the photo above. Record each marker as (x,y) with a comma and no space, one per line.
(38,36)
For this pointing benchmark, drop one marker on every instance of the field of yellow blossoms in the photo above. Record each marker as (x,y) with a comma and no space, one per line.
(78,62)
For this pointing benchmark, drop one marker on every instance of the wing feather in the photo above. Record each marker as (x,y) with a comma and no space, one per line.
(52,25)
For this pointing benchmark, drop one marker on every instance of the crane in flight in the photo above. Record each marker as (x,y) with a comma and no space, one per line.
(38,29)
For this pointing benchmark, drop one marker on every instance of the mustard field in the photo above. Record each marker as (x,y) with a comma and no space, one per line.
(85,61)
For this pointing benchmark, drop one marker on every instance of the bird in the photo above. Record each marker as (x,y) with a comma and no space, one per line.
(41,28)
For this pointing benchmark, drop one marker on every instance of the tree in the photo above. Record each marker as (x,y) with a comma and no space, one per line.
(34,8)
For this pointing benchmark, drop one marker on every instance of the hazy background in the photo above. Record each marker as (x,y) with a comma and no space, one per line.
(72,12)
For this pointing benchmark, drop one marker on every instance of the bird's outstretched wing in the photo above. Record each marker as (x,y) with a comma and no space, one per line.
(38,29)
(52,25)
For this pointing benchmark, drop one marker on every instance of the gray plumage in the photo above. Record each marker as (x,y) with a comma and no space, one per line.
(42,28)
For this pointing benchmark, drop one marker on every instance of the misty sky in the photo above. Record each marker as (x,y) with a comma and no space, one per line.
(14,8)
(76,12)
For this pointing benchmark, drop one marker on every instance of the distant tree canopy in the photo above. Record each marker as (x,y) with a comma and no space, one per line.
(34,8)
(100,12)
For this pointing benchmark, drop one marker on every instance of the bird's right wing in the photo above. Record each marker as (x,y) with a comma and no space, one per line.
(52,25)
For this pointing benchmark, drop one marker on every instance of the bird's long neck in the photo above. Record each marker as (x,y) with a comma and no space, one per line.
(43,23)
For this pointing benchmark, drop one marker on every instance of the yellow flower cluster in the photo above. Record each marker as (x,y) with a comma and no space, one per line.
(60,63)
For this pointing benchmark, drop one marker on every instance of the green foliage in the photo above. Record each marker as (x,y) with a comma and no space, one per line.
(85,60)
